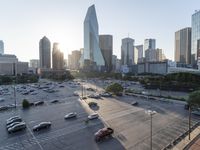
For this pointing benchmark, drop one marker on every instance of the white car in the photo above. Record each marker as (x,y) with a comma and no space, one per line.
(17,127)
(14,120)
(13,124)
(93,116)
(71,115)
(10,119)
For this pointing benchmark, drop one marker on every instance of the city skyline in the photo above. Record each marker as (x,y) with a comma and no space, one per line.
(23,27)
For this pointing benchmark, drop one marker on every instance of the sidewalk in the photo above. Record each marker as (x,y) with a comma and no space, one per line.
(186,143)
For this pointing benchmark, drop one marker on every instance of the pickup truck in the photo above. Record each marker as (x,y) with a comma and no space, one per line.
(102,133)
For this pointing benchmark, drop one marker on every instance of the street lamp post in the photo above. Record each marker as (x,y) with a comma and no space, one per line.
(151,113)
(189,130)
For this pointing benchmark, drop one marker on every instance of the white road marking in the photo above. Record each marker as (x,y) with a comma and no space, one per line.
(35,138)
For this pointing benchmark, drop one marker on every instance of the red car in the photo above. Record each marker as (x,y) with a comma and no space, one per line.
(102,133)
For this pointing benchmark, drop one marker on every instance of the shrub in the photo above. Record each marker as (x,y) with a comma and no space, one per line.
(115,88)
(25,103)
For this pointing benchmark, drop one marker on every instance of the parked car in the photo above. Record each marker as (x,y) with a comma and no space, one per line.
(92,104)
(75,94)
(11,118)
(42,125)
(134,103)
(14,120)
(13,124)
(39,103)
(106,94)
(94,96)
(93,116)
(102,133)
(90,89)
(55,101)
(71,115)
(3,108)
(17,127)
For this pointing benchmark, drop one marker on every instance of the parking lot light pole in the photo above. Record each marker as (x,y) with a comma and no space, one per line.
(151,113)
(82,91)
(189,130)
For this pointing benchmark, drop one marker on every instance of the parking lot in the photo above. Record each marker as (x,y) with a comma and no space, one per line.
(130,123)
(63,134)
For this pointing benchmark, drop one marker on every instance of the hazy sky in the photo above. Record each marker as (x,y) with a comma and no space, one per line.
(24,22)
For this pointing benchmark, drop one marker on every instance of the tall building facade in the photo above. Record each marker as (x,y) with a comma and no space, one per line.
(149,44)
(45,53)
(159,54)
(150,55)
(183,46)
(57,58)
(127,51)
(92,55)
(139,50)
(74,60)
(106,46)
(1,47)
(114,59)
(195,56)
(34,63)
(9,65)
(153,55)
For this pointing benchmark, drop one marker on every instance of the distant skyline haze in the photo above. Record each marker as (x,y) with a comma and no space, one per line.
(25,22)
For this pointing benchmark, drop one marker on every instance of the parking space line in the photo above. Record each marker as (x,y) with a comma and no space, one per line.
(35,138)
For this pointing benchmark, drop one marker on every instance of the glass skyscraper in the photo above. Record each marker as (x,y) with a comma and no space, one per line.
(45,53)
(91,54)
(195,55)
(183,46)
(127,51)
(149,44)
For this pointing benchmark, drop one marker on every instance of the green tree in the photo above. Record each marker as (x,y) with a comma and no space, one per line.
(114,88)
(25,103)
(193,101)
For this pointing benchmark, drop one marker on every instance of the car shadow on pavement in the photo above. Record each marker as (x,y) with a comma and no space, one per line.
(95,108)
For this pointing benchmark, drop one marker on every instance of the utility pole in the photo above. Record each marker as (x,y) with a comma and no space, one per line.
(151,132)
(82,90)
(189,122)
(151,113)
(15,73)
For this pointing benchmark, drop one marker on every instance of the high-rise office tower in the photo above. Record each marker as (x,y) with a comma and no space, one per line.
(139,50)
(45,53)
(114,59)
(92,55)
(159,54)
(150,55)
(1,47)
(57,57)
(149,44)
(106,46)
(127,51)
(195,57)
(34,63)
(75,57)
(149,49)
(183,46)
